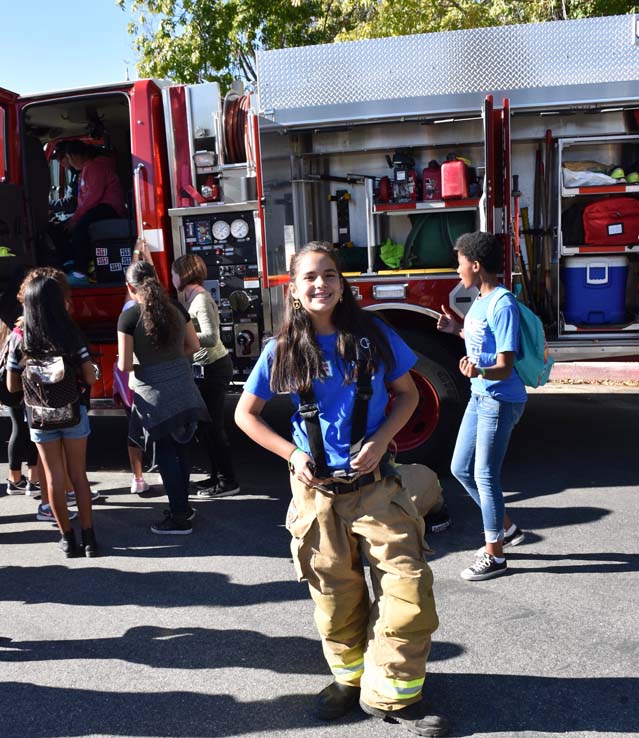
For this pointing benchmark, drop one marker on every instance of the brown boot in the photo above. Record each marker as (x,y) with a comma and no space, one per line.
(335,700)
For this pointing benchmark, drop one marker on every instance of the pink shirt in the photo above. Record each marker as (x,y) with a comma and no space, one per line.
(99,185)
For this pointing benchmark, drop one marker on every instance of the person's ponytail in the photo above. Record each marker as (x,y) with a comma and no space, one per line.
(159,316)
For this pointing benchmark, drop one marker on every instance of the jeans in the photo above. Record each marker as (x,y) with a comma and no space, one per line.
(212,435)
(479,454)
(175,468)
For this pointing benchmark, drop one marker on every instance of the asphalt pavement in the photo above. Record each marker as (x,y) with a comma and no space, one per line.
(210,634)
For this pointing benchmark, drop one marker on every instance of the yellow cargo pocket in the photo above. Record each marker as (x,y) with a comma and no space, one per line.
(403,500)
(408,606)
(301,549)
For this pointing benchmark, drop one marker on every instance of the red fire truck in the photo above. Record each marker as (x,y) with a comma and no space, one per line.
(389,149)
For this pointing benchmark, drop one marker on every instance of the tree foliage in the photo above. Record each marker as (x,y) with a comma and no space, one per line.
(203,40)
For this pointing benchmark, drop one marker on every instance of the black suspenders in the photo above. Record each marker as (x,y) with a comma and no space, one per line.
(309,411)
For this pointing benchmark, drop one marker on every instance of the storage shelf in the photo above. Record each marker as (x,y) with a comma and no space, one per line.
(576,250)
(602,328)
(407,208)
(618,189)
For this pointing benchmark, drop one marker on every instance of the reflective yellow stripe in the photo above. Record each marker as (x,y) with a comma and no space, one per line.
(398,689)
(348,670)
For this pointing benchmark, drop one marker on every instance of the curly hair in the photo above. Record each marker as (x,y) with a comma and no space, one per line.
(45,271)
(298,358)
(159,316)
(482,247)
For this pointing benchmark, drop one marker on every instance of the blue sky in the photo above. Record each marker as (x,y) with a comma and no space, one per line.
(71,43)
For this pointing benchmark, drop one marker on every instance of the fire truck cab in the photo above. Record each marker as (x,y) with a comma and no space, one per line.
(171,149)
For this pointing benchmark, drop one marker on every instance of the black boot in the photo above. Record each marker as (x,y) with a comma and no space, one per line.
(335,700)
(89,544)
(68,545)
(417,718)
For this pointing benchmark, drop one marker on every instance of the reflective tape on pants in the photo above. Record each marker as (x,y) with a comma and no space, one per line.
(348,672)
(398,689)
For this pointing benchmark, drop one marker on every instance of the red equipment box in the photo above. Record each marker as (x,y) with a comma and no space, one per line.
(612,222)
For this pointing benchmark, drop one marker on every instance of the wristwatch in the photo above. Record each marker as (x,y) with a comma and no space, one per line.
(482,371)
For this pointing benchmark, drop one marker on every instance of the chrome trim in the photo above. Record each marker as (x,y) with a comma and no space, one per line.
(538,64)
(404,306)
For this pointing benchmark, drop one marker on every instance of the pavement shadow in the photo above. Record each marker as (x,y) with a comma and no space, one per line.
(98,586)
(466,534)
(570,458)
(190,648)
(518,704)
(475,703)
(219,528)
(577,563)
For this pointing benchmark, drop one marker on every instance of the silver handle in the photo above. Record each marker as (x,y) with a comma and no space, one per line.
(137,188)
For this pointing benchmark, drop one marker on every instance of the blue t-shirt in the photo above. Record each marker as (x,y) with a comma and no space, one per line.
(482,345)
(335,399)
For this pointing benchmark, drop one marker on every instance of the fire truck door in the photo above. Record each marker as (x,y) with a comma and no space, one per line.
(279,204)
(507,226)
(495,208)
(13,245)
(151,186)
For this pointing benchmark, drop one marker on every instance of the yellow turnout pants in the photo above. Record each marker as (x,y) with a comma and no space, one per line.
(381,646)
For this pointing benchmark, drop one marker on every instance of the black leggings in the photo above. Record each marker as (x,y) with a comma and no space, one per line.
(212,435)
(175,468)
(21,447)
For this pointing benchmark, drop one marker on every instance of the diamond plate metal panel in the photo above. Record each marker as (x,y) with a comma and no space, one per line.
(581,52)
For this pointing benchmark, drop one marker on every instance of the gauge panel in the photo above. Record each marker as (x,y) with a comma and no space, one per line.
(239,229)
(227,243)
(221,230)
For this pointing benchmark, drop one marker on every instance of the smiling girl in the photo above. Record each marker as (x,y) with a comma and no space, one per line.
(348,501)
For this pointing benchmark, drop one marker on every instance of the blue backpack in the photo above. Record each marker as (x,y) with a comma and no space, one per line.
(532,362)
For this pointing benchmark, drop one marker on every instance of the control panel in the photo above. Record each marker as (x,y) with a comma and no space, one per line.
(226,242)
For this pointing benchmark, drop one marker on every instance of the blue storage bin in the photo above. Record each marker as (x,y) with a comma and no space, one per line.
(594,289)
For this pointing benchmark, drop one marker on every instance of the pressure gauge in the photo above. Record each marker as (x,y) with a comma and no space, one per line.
(239,228)
(221,230)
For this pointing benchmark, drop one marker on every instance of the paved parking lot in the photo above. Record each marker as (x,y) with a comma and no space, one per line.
(211,636)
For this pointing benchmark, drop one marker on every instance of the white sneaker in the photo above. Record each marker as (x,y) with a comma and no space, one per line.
(485,567)
(138,485)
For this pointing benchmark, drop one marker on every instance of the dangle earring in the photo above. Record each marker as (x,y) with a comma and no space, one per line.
(296,304)
(341,298)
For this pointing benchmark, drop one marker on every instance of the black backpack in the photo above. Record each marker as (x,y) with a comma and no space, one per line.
(51,393)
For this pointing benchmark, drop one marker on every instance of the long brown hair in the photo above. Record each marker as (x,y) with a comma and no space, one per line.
(298,358)
(159,315)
